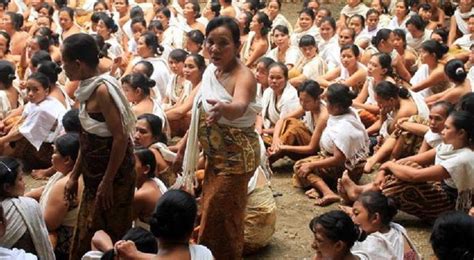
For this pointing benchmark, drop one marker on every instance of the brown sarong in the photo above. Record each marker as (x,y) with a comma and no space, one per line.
(232,155)
(426,200)
(32,158)
(115,221)
(408,143)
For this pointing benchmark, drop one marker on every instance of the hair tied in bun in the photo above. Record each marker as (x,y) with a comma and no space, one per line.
(11,76)
(459,71)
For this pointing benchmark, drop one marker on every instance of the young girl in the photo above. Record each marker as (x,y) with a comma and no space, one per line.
(39,125)
(178,87)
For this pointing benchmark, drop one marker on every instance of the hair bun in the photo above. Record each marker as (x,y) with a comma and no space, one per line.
(11,76)
(460,71)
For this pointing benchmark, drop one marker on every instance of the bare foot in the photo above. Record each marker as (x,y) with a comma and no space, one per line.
(312,194)
(351,191)
(342,193)
(327,200)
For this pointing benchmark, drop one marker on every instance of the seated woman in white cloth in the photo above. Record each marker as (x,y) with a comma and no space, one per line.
(258,41)
(311,66)
(10,97)
(13,253)
(26,228)
(458,23)
(148,188)
(344,145)
(284,52)
(276,17)
(439,112)
(31,140)
(402,14)
(373,213)
(328,46)
(350,9)
(305,27)
(278,100)
(417,32)
(178,88)
(59,214)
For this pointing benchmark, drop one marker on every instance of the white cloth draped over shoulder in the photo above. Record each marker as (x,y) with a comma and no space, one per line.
(272,110)
(347,133)
(421,74)
(211,88)
(167,154)
(459,164)
(293,55)
(395,24)
(42,121)
(330,52)
(171,91)
(360,9)
(461,23)
(161,74)
(85,90)
(433,139)
(295,37)
(5,106)
(465,41)
(23,214)
(281,20)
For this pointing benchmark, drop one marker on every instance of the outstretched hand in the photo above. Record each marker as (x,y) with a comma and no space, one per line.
(215,113)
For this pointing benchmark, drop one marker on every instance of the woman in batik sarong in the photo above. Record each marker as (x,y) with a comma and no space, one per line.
(105,158)
(223,121)
(427,192)
(344,145)
(297,135)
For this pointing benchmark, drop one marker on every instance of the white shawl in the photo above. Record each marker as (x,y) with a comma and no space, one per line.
(462,25)
(24,214)
(167,154)
(421,74)
(347,133)
(459,164)
(85,90)
(211,88)
(281,20)
(360,9)
(272,110)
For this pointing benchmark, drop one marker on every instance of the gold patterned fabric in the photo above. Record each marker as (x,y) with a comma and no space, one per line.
(409,143)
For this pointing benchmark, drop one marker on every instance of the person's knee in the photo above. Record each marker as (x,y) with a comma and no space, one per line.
(101,241)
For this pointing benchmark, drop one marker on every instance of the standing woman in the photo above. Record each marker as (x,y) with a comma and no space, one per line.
(223,121)
(66,21)
(105,158)
(284,52)
(257,43)
(273,12)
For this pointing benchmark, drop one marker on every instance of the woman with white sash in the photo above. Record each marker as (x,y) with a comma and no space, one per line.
(284,52)
(278,100)
(26,228)
(458,24)
(223,122)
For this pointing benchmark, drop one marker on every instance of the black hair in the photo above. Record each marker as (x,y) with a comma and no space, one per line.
(8,38)
(60,3)
(307,11)
(7,73)
(199,60)
(338,226)
(95,17)
(432,46)
(282,67)
(148,67)
(311,87)
(139,81)
(161,2)
(39,57)
(407,5)
(277,1)
(102,45)
(387,90)
(385,62)
(178,55)
(69,11)
(156,126)
(463,120)
(174,216)
(41,79)
(248,20)
(143,239)
(254,6)
(466,103)
(329,20)
(17,20)
(382,34)
(71,121)
(82,47)
(443,33)
(48,33)
(47,7)
(417,22)
(281,28)
(165,11)
(43,42)
(108,22)
(327,10)
(453,236)
(102,2)
(354,48)
(9,170)
(196,36)
(155,25)
(372,11)
(340,95)
(68,145)
(267,61)
(306,2)
(216,8)
(351,31)
(455,70)
(307,40)
(51,69)
(361,18)
(425,7)
(196,8)
(152,42)
(402,34)
(376,202)
(227,22)
(139,20)
(265,21)
(147,158)
(136,12)
(447,106)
